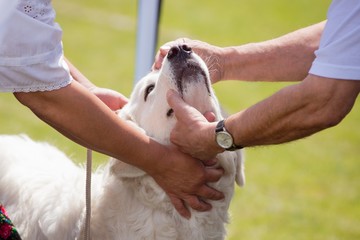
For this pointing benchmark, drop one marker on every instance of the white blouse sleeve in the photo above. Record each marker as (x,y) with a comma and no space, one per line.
(31,53)
(339,53)
(6,7)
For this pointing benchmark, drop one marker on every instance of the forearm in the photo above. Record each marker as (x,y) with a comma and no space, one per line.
(78,76)
(111,98)
(294,112)
(80,116)
(287,58)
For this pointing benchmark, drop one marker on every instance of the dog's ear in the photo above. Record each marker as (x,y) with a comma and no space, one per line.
(240,168)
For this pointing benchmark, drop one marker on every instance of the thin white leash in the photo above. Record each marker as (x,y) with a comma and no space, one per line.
(87,235)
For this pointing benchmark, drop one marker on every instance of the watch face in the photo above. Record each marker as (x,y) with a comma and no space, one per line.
(224,139)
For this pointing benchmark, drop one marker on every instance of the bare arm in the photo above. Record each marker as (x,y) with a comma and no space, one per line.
(295,112)
(111,98)
(287,58)
(292,113)
(82,117)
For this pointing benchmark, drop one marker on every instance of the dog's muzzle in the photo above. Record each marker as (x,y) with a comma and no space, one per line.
(185,67)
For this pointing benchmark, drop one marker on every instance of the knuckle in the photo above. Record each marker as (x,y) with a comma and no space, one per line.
(196,204)
(212,194)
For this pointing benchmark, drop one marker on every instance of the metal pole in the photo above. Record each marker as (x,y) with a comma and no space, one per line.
(146,37)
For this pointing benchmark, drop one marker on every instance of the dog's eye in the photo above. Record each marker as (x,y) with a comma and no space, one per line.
(170,112)
(148,90)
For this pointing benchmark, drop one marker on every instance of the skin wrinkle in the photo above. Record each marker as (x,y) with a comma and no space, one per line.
(272,117)
(313,99)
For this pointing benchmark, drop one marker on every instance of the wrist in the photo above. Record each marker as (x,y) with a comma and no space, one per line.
(224,138)
(222,62)
(157,159)
(211,136)
(230,63)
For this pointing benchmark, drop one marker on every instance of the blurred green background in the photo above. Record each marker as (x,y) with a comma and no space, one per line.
(308,189)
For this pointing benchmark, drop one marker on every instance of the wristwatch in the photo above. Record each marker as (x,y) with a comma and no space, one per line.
(223,138)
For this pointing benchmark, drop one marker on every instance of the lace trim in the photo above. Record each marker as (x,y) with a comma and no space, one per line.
(39,88)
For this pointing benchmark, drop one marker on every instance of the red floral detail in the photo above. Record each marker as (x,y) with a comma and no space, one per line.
(2,210)
(5,230)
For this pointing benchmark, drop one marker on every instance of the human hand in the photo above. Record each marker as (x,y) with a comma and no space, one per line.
(199,140)
(114,100)
(185,179)
(209,53)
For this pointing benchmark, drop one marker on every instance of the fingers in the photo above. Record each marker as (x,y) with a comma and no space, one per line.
(210,193)
(177,103)
(197,204)
(163,50)
(193,202)
(209,162)
(159,58)
(118,101)
(113,99)
(196,198)
(206,192)
(213,174)
(173,98)
(181,108)
(197,201)
(180,207)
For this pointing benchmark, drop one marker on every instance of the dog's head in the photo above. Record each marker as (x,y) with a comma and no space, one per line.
(185,72)
(182,71)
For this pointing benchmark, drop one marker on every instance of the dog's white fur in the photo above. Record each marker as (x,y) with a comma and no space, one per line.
(43,190)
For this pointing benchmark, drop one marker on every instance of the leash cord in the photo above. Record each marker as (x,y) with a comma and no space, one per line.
(87,235)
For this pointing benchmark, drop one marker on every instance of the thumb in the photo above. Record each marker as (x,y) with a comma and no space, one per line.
(177,103)
(159,58)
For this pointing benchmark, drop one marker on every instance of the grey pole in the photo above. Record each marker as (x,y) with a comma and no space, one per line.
(146,37)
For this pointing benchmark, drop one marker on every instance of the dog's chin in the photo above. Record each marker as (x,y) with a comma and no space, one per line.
(190,78)
(192,74)
(196,97)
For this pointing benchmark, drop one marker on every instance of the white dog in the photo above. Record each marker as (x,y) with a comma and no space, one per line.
(43,190)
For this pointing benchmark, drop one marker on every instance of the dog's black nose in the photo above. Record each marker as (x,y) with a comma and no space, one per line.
(181,50)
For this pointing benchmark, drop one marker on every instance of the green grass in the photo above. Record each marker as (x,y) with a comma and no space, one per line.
(309,189)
